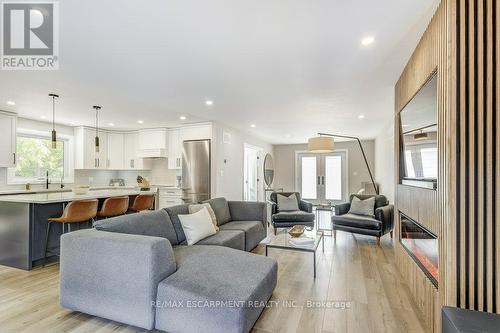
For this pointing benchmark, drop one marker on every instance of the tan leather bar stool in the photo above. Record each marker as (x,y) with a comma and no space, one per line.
(74,212)
(142,202)
(114,206)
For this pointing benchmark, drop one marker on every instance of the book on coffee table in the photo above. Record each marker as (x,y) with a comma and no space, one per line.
(301,241)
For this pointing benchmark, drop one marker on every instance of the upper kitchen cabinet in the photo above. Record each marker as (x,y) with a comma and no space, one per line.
(174,149)
(196,132)
(153,143)
(130,157)
(8,125)
(116,151)
(85,155)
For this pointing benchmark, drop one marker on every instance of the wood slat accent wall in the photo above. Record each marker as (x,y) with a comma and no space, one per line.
(424,205)
(477,228)
(463,43)
(420,204)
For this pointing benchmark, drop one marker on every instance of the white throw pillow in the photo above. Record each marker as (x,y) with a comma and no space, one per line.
(287,203)
(197,226)
(197,207)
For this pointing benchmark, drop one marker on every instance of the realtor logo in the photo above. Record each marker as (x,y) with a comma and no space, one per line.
(30,35)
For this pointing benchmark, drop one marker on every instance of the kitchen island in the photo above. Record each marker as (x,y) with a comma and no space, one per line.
(23,223)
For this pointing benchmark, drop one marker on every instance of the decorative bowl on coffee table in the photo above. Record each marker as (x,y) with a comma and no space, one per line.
(297,230)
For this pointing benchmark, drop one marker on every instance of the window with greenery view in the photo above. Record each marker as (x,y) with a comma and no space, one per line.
(35,157)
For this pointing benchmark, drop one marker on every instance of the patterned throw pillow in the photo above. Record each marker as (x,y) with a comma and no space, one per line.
(363,207)
(287,203)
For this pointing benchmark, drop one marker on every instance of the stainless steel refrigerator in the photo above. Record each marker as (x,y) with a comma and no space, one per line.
(196,185)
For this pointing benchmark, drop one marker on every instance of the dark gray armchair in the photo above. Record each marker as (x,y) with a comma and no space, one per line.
(287,219)
(378,225)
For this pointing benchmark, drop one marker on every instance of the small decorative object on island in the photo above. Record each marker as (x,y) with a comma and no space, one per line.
(296,230)
(81,189)
(143,183)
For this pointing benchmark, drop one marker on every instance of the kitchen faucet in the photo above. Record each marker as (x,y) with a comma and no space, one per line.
(47,182)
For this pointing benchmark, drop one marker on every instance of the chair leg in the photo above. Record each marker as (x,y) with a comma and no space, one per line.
(378,241)
(275,231)
(392,234)
(334,234)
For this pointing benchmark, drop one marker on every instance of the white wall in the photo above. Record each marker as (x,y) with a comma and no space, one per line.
(384,161)
(284,161)
(227,173)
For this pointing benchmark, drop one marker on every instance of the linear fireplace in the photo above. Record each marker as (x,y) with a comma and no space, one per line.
(422,246)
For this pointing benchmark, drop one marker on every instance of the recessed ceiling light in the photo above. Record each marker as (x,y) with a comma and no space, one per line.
(71,122)
(368,40)
(361,116)
(11,103)
(43,117)
(209,102)
(182,118)
(140,121)
(111,124)
(252,125)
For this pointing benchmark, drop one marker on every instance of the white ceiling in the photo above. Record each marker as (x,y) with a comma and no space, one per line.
(292,67)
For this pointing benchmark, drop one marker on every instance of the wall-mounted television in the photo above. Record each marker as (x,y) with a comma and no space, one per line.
(418,138)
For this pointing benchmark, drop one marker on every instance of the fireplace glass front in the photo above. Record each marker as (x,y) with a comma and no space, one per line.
(422,246)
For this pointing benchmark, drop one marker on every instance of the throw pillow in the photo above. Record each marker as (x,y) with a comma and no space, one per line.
(197,226)
(197,207)
(362,207)
(287,203)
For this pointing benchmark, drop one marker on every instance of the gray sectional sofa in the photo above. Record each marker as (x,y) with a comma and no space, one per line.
(136,269)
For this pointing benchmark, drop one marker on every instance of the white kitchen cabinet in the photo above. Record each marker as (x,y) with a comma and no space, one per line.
(8,132)
(196,132)
(85,155)
(153,142)
(174,149)
(169,196)
(130,157)
(116,147)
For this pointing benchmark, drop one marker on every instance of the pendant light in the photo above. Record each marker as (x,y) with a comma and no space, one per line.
(54,134)
(96,108)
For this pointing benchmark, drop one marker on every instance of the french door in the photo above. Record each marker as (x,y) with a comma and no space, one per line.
(322,178)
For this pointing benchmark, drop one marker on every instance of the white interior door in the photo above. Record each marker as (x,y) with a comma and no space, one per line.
(251,171)
(322,178)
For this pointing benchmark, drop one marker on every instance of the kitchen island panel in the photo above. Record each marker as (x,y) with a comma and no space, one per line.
(15,235)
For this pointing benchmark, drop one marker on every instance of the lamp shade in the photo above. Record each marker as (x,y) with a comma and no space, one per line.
(321,144)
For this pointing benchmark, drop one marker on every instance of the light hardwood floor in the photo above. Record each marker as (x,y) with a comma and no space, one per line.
(352,269)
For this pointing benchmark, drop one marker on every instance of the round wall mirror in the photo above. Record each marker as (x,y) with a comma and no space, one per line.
(268,170)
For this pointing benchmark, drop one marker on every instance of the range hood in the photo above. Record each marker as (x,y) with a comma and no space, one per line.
(152,153)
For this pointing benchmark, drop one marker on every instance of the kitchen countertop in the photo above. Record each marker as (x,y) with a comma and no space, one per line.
(59,190)
(44,198)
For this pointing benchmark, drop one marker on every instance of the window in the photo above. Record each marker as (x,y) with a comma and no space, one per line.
(35,156)
(308,189)
(333,175)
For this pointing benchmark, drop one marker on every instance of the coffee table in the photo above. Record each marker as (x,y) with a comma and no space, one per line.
(282,238)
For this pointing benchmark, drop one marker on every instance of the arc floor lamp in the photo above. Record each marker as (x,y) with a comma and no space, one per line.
(325,143)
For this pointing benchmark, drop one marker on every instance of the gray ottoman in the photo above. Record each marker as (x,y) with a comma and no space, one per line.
(215,289)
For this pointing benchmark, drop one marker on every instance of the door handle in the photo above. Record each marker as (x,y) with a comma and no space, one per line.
(322,180)
(14,155)
(319,180)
